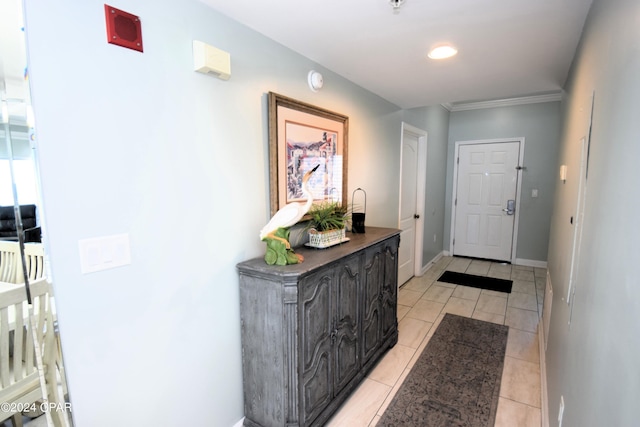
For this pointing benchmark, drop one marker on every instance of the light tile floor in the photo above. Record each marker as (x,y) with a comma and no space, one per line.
(422,302)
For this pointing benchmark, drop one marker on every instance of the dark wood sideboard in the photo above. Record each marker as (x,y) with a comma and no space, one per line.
(312,331)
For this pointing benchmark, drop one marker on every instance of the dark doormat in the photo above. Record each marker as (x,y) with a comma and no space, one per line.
(482,282)
(456,379)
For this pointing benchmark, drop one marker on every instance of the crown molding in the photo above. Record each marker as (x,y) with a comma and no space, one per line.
(535,99)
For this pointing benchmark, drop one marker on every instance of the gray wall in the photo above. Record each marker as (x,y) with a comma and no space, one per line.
(139,143)
(435,120)
(594,361)
(539,124)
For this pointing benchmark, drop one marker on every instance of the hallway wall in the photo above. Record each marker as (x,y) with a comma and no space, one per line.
(594,344)
(139,143)
(539,124)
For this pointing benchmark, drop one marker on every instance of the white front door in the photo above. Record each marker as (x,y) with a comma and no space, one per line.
(408,211)
(485,200)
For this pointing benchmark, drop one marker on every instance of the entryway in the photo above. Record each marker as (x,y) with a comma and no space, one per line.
(486,199)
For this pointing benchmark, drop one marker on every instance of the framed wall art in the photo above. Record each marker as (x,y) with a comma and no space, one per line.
(302,136)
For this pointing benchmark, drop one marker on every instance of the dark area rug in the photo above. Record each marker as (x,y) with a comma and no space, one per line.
(456,379)
(482,282)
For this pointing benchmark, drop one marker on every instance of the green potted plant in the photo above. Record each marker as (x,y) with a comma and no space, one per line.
(326,225)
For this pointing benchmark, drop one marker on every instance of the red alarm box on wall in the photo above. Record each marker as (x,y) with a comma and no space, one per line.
(123,29)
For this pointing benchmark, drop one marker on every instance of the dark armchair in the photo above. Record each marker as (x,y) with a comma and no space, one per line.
(30,226)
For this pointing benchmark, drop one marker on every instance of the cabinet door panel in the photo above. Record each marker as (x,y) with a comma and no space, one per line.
(315,343)
(373,271)
(346,345)
(389,290)
(316,389)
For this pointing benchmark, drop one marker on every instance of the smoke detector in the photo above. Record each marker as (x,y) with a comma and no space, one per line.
(396,5)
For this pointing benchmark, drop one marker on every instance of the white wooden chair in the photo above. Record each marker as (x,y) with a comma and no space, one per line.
(10,263)
(34,259)
(19,377)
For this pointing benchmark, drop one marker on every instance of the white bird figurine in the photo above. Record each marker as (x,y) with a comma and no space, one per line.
(289,214)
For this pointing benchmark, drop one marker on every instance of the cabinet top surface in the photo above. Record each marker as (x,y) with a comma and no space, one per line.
(315,258)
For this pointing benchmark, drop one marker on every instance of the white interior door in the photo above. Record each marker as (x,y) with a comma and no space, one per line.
(485,200)
(408,207)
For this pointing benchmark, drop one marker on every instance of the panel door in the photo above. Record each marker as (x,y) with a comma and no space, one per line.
(486,182)
(408,209)
(315,313)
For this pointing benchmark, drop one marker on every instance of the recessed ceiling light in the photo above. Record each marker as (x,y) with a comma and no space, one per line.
(442,52)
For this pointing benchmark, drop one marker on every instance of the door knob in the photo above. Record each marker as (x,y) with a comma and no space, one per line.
(511,207)
(416,216)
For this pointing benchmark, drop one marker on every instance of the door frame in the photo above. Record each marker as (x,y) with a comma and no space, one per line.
(585,147)
(578,222)
(421,186)
(516,219)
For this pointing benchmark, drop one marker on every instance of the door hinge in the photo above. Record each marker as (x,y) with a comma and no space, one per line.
(454,242)
(458,160)
(455,203)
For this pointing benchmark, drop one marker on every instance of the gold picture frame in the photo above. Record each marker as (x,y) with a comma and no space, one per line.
(302,136)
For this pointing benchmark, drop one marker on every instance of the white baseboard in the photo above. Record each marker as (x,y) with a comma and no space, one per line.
(544,397)
(543,332)
(431,263)
(239,423)
(531,263)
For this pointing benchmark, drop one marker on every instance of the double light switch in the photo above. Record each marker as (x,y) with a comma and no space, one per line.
(103,253)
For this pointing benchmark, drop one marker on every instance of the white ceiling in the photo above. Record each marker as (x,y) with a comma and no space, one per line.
(507,48)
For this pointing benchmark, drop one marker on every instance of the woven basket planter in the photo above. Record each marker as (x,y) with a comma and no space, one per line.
(325,239)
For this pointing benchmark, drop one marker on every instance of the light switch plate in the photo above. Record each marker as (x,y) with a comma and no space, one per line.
(103,253)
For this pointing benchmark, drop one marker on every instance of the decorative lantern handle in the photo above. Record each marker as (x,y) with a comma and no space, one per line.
(358,218)
(353,196)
